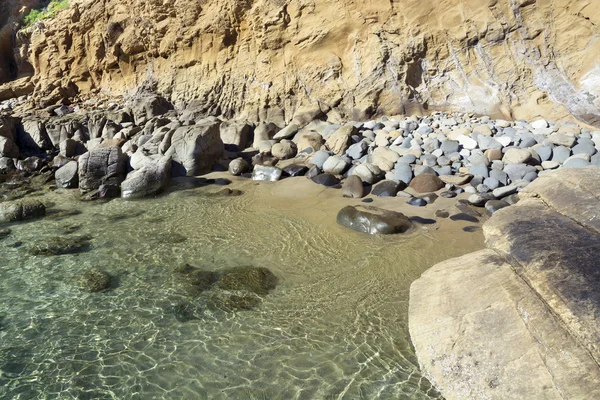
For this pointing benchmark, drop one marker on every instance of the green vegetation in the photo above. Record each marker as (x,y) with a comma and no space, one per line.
(49,11)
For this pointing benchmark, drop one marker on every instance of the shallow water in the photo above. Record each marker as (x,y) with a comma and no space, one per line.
(335,327)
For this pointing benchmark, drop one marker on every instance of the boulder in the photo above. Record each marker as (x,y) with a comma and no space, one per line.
(101,166)
(67,176)
(369,173)
(335,165)
(148,106)
(284,150)
(12,211)
(8,148)
(426,183)
(235,135)
(516,156)
(387,188)
(266,173)
(264,131)
(32,137)
(196,148)
(149,180)
(295,170)
(287,132)
(238,167)
(353,187)
(341,139)
(309,142)
(373,220)
(326,180)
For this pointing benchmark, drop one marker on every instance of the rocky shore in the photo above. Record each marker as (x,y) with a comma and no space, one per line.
(134,150)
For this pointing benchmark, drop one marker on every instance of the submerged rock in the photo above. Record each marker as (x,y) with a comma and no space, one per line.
(373,220)
(258,280)
(12,211)
(95,280)
(61,245)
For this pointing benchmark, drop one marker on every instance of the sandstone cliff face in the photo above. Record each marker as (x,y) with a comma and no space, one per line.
(267,59)
(11,11)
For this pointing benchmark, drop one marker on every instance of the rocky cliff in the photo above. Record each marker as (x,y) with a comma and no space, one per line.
(266,59)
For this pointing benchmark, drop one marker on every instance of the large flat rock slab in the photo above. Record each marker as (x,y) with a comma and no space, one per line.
(558,258)
(480,332)
(571,192)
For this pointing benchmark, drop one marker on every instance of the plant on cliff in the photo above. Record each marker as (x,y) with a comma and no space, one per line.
(49,10)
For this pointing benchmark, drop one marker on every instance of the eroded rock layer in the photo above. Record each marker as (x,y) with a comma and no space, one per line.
(268,59)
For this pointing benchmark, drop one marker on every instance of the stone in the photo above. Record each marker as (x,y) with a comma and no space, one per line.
(326,180)
(402,173)
(238,166)
(576,163)
(295,170)
(459,179)
(284,150)
(417,202)
(383,158)
(320,157)
(491,183)
(387,188)
(550,164)
(368,173)
(101,166)
(265,159)
(426,183)
(95,280)
(8,148)
(584,148)
(149,180)
(561,154)
(353,187)
(309,142)
(20,210)
(467,142)
(335,165)
(486,143)
(516,156)
(539,124)
(491,206)
(67,176)
(287,132)
(195,148)
(518,171)
(264,131)
(504,191)
(357,150)
(235,135)
(340,140)
(449,146)
(33,137)
(266,173)
(561,139)
(373,220)
(493,154)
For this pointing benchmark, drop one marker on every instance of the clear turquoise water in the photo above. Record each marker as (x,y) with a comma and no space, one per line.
(335,327)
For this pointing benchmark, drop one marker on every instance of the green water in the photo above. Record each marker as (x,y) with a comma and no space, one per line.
(334,328)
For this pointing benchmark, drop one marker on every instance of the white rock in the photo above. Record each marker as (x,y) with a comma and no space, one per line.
(539,124)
